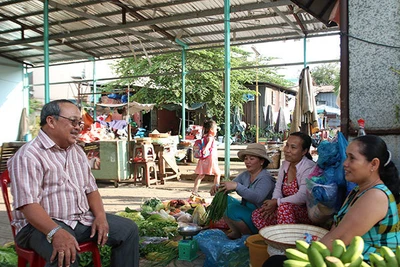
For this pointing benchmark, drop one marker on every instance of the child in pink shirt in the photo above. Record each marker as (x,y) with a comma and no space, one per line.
(208,165)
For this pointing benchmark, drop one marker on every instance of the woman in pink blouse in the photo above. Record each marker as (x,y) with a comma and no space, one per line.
(288,203)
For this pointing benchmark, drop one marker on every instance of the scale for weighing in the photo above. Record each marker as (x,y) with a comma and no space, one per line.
(188,247)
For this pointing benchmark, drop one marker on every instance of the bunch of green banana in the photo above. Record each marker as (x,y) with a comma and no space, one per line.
(318,255)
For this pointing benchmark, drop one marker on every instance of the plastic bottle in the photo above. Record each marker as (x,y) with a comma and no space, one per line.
(361,124)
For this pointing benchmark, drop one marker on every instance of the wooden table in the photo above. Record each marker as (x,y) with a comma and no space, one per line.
(167,167)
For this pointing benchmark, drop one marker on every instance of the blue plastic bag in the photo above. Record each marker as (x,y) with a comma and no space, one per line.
(327,190)
(221,251)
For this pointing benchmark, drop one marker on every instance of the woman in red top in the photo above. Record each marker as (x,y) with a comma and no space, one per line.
(288,203)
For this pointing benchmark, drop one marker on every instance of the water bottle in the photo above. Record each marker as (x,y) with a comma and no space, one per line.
(361,124)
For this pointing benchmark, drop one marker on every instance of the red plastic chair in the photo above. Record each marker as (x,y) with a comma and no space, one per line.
(29,256)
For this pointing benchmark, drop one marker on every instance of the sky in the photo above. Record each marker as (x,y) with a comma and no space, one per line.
(318,48)
(321,48)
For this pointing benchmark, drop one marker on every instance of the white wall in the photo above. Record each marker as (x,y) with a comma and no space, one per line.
(374,93)
(63,74)
(12,99)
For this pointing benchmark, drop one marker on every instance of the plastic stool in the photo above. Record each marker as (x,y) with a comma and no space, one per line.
(146,168)
(144,152)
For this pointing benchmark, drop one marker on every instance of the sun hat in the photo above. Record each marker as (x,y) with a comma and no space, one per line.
(256,149)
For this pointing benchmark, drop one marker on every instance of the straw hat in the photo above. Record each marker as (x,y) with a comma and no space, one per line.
(256,149)
(283,236)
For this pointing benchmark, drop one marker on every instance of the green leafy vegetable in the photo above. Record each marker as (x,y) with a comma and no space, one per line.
(161,253)
(153,202)
(146,210)
(134,216)
(216,209)
(158,228)
(8,257)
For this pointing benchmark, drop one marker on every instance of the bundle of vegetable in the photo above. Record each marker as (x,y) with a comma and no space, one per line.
(155,203)
(216,209)
(8,257)
(156,225)
(150,205)
(134,215)
(162,253)
(86,259)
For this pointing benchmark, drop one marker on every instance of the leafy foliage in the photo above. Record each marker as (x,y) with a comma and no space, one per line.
(8,257)
(204,80)
(86,260)
(34,105)
(327,74)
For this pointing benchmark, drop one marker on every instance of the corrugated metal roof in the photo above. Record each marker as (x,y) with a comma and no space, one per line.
(81,29)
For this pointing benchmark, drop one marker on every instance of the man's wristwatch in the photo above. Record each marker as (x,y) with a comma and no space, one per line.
(50,235)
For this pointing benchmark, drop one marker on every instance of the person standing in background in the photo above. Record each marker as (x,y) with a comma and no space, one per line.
(208,165)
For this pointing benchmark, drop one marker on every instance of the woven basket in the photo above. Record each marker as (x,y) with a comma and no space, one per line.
(283,236)
(275,157)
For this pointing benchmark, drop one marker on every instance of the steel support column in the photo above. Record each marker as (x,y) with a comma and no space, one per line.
(227,86)
(46,51)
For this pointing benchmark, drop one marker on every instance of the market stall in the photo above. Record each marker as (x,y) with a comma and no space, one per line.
(108,143)
(109,160)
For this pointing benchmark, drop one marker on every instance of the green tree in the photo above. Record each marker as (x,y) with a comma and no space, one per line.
(204,82)
(327,74)
(34,105)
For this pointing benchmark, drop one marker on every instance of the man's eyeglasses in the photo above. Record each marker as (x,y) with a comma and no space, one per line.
(74,122)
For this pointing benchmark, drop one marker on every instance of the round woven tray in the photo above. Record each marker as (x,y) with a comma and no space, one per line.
(284,236)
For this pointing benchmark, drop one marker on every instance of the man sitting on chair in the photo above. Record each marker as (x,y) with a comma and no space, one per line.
(56,200)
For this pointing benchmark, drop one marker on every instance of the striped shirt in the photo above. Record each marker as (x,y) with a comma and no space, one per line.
(57,179)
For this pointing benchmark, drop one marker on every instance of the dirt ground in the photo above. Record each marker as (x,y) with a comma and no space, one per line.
(129,195)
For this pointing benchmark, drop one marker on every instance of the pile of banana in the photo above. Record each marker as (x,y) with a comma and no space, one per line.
(318,255)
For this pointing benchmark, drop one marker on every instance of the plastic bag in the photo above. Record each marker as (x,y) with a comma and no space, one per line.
(221,251)
(199,215)
(323,200)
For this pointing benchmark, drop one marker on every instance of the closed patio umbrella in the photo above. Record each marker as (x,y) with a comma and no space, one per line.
(280,125)
(305,112)
(269,120)
(23,126)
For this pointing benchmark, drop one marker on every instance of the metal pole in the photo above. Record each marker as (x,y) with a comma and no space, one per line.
(257,98)
(184,47)
(25,85)
(46,50)
(344,68)
(305,51)
(227,83)
(95,89)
